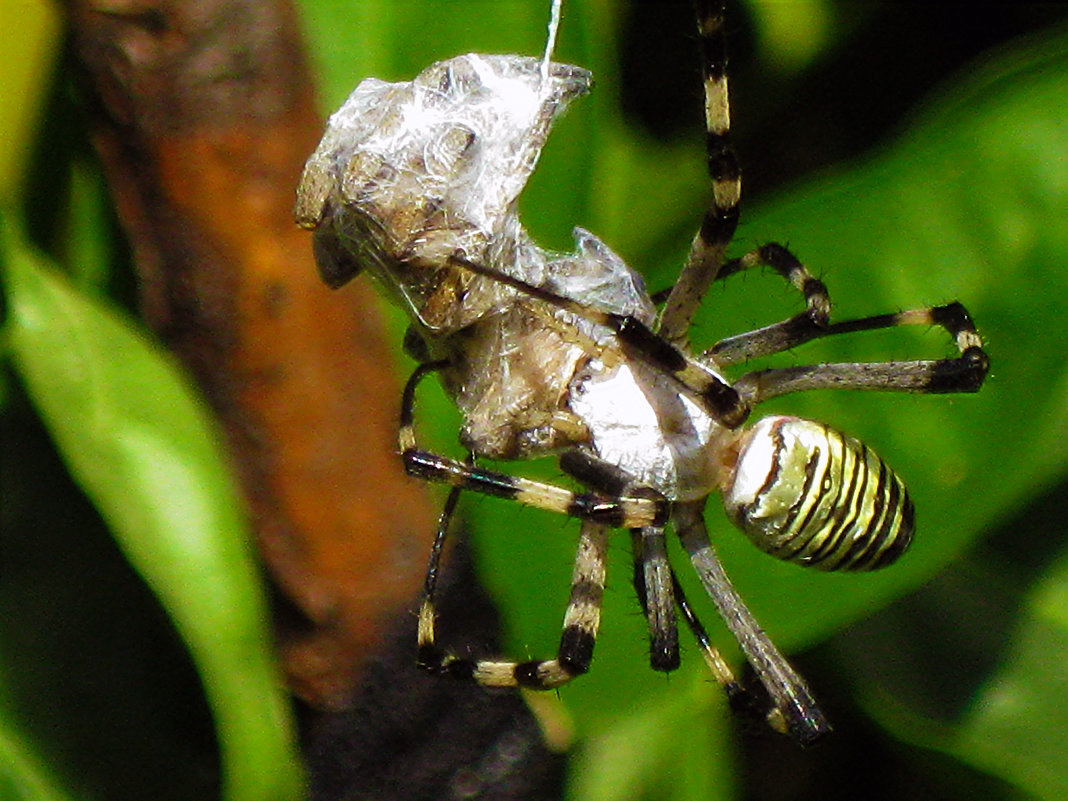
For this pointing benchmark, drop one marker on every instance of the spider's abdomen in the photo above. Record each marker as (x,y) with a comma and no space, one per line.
(809,494)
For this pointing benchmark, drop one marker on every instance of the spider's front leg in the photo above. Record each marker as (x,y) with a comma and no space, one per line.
(721,218)
(964,373)
(694,377)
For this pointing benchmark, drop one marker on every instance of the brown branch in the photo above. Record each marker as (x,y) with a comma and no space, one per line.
(204,115)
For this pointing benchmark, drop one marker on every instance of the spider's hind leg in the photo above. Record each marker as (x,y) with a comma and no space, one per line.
(738,695)
(794,710)
(660,594)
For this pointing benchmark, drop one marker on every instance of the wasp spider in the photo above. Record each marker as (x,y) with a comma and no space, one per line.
(546,353)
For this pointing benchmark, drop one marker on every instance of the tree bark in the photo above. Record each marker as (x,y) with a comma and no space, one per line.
(205,112)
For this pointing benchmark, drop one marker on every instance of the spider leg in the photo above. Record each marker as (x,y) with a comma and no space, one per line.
(783,335)
(644,508)
(787,265)
(654,584)
(814,323)
(615,512)
(698,380)
(795,711)
(737,695)
(720,220)
(430,657)
(962,374)
(583,616)
(652,571)
(654,580)
(581,622)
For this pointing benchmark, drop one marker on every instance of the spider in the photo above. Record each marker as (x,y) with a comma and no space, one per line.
(569,355)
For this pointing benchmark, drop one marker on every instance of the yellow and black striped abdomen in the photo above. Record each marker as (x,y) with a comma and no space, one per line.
(809,494)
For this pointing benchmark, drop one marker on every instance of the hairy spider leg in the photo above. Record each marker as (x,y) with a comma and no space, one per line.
(721,218)
(794,710)
(654,580)
(581,619)
(698,380)
(964,373)
(645,508)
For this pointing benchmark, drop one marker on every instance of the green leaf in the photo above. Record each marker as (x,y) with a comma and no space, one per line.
(674,747)
(973,666)
(1016,724)
(22,775)
(143,448)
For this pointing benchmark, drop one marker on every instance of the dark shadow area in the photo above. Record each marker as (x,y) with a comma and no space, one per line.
(409,736)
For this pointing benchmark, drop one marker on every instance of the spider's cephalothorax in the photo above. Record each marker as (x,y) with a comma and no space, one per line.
(545,353)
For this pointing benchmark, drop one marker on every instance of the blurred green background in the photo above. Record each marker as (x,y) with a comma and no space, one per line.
(909,154)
